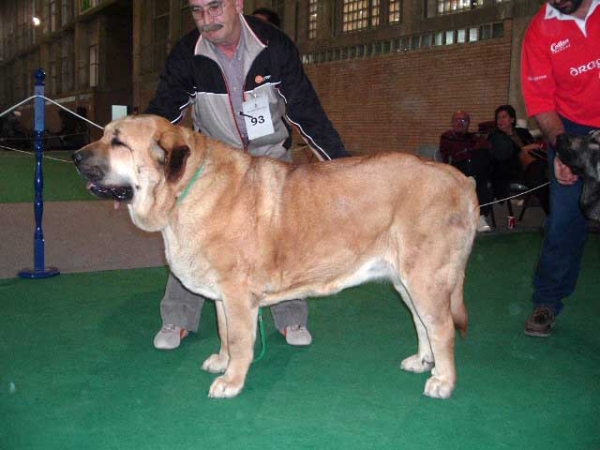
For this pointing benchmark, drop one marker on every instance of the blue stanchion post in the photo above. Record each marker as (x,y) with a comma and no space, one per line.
(40,270)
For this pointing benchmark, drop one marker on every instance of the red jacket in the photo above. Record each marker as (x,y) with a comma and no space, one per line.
(560,65)
(456,147)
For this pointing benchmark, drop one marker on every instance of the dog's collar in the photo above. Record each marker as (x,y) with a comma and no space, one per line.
(190,184)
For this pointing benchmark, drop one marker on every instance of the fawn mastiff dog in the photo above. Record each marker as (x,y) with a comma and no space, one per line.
(250,232)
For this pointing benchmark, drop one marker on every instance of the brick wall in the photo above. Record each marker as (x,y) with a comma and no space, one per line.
(399,102)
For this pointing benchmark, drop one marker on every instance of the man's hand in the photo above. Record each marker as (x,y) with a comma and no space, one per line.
(563,173)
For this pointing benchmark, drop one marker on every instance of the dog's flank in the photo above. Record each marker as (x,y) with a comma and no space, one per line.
(253,232)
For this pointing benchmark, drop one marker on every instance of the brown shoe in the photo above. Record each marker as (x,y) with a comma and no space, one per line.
(540,322)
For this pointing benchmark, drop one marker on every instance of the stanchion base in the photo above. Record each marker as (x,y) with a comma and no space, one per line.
(34,274)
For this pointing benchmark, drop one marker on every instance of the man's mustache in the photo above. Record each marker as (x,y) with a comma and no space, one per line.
(210,27)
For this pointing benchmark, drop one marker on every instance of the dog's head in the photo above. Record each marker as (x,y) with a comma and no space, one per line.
(581,154)
(139,160)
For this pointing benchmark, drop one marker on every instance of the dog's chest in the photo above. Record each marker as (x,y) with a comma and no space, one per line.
(193,272)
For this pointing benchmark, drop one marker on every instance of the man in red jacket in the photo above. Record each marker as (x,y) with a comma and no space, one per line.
(560,77)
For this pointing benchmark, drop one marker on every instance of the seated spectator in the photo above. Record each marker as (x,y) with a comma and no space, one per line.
(517,157)
(470,153)
(12,133)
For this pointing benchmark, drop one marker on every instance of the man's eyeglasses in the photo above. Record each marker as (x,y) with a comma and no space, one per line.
(461,119)
(213,9)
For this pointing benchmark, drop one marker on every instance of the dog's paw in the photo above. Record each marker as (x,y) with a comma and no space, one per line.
(435,387)
(416,364)
(222,388)
(216,363)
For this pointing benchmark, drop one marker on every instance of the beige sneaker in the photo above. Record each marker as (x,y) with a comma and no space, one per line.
(169,337)
(484,226)
(297,335)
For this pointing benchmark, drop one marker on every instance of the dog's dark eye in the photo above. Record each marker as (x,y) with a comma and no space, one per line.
(115,142)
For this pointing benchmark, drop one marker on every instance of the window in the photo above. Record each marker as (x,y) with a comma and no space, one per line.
(498,30)
(453,6)
(51,79)
(66,64)
(53,18)
(66,14)
(45,18)
(441,7)
(414,43)
(427,40)
(375,13)
(360,15)
(395,11)
(312,19)
(439,38)
(409,43)
(94,66)
(84,5)
(473,34)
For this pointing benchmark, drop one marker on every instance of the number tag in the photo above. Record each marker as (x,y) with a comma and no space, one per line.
(257,116)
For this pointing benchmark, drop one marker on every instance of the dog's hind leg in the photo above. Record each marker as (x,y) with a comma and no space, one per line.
(430,304)
(240,317)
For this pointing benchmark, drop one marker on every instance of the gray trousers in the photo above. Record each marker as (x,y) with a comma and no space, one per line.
(183,308)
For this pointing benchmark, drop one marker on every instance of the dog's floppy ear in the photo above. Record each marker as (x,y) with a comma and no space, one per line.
(590,199)
(174,156)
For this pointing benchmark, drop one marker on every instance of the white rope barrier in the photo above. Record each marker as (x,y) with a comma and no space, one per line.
(516,195)
(49,100)
(15,150)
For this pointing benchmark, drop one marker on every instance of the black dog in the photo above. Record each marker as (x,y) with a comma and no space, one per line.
(582,155)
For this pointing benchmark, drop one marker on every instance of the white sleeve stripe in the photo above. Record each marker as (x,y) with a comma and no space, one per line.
(179,117)
(321,154)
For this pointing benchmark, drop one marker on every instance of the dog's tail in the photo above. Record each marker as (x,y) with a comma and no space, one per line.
(458,310)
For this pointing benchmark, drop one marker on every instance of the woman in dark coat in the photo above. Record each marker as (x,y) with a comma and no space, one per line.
(517,156)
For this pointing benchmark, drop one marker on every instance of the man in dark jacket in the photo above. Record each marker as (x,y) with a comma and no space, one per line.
(244,81)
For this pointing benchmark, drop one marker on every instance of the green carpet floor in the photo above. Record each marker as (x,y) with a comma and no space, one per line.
(61,180)
(78,371)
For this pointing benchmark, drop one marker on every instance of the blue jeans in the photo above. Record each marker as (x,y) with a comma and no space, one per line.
(565,231)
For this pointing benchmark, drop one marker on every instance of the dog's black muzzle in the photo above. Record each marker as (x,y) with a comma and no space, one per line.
(565,148)
(94,170)
(580,153)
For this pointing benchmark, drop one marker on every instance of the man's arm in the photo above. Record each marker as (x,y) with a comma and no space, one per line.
(176,85)
(551,126)
(538,86)
(304,109)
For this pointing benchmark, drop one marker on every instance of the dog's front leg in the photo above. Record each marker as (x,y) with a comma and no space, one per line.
(217,363)
(240,319)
